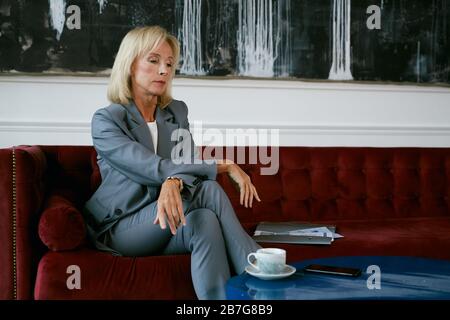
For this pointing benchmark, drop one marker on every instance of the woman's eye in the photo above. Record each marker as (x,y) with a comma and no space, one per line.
(153,61)
(169,65)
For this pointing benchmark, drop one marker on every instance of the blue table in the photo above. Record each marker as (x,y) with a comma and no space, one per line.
(405,278)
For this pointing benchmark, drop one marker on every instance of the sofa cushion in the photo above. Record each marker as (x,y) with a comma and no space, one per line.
(417,237)
(104,276)
(61,226)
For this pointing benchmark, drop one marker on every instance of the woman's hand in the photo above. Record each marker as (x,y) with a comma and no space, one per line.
(170,207)
(246,188)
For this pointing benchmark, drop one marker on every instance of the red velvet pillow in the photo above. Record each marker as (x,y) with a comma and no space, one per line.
(61,226)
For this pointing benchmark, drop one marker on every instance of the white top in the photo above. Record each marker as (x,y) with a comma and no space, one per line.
(154,133)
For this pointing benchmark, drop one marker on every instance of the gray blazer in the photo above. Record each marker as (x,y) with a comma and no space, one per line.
(132,174)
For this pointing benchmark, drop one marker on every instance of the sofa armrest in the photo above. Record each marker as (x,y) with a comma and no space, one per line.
(22,189)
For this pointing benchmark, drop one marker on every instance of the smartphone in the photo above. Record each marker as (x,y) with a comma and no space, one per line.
(342,271)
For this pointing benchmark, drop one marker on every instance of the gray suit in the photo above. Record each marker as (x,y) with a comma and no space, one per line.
(120,214)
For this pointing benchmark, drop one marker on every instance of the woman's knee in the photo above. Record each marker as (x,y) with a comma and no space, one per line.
(203,221)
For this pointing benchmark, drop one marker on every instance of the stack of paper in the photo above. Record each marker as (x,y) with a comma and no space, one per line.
(295,232)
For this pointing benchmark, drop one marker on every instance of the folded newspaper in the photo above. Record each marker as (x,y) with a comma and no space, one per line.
(295,232)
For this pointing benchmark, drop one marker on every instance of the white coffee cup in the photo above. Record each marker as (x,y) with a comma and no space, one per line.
(269,260)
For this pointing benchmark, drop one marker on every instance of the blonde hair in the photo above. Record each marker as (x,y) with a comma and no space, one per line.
(137,42)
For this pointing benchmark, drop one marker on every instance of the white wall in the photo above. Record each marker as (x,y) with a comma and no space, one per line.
(57,110)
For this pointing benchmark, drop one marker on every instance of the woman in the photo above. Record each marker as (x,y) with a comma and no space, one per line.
(147,204)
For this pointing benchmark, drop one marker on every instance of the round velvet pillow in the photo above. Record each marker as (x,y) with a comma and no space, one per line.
(62,227)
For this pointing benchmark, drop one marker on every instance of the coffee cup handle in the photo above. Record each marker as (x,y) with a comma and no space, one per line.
(248,259)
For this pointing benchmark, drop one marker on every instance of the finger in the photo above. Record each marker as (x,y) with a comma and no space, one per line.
(256,193)
(243,194)
(174,208)
(252,194)
(155,221)
(180,210)
(163,217)
(172,218)
(241,200)
(160,217)
(247,192)
(175,215)
(170,221)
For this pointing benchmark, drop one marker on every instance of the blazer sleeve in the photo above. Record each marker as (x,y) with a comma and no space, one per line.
(137,162)
(189,180)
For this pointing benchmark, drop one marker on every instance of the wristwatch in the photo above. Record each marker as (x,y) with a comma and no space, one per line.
(176,178)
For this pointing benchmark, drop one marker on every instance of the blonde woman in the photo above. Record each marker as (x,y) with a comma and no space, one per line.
(147,203)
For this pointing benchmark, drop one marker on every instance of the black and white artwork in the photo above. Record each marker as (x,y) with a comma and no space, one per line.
(344,40)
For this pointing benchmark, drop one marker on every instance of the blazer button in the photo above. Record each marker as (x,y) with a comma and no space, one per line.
(118,212)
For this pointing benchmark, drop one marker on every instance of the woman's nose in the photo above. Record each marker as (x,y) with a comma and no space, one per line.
(163,70)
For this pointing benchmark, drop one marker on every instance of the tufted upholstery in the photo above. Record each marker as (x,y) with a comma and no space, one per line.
(351,183)
(385,201)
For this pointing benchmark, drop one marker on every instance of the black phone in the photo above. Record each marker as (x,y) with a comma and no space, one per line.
(341,271)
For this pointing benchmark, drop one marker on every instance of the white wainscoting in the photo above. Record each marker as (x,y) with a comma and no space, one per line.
(56,110)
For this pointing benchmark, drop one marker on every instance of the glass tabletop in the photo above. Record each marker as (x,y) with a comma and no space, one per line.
(382,277)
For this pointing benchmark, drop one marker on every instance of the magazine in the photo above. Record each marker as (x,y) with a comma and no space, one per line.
(295,232)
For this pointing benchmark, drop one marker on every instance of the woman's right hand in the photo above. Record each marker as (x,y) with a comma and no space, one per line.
(170,206)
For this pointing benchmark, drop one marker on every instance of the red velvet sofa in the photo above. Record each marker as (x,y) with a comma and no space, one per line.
(385,201)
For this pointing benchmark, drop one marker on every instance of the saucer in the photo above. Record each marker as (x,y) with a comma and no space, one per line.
(288,271)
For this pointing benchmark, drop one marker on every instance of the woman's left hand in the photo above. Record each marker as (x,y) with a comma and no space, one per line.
(246,187)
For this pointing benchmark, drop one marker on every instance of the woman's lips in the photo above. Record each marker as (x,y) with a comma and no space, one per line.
(160,82)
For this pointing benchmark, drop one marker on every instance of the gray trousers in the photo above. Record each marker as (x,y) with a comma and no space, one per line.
(212,234)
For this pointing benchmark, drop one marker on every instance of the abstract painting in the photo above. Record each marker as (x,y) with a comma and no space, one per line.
(333,40)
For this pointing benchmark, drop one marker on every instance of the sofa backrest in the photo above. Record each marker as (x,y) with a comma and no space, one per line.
(70,170)
(311,184)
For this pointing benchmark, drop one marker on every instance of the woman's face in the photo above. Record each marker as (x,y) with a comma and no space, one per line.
(151,73)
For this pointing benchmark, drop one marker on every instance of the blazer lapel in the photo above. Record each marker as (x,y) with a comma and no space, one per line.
(166,125)
(138,127)
(140,130)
